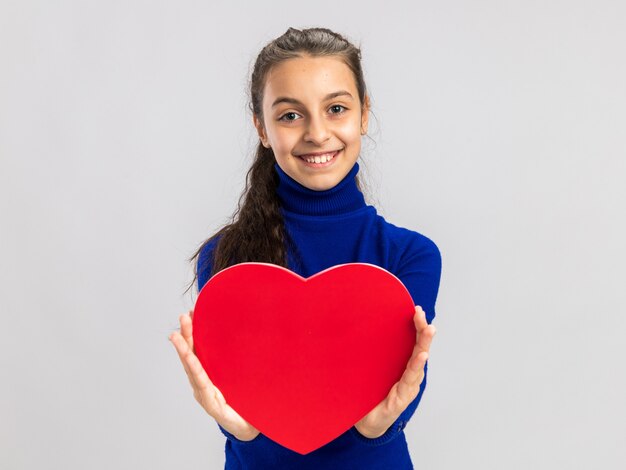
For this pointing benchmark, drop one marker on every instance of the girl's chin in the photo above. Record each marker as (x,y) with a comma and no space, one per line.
(320,182)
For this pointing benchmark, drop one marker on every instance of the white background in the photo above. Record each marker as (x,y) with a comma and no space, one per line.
(498,132)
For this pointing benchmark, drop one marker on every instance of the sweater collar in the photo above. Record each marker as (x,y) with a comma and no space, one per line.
(344,197)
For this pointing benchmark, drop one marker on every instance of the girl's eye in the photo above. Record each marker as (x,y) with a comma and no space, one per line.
(290,116)
(338,106)
(291,113)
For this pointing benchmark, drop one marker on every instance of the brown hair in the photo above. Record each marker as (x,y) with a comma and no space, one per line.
(256,231)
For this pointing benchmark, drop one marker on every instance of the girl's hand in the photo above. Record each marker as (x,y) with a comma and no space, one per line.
(204,391)
(376,422)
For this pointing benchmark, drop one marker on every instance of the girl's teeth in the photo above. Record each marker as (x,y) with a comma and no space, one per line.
(319,159)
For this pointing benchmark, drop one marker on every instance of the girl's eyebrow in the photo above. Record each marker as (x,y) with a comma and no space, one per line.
(286,99)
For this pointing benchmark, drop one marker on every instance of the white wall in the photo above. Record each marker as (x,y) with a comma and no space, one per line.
(499,133)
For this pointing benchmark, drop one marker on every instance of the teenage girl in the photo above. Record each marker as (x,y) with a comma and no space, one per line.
(303,209)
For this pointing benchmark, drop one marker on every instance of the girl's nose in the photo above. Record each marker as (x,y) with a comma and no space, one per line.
(317,131)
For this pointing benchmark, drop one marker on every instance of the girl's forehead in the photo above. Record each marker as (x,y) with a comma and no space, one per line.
(309,75)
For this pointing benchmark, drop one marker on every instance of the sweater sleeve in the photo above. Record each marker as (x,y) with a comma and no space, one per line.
(205,263)
(419,269)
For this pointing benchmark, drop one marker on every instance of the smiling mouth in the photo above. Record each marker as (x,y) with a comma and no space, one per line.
(320,158)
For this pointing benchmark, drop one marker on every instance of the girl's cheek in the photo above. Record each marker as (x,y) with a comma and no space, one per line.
(350,127)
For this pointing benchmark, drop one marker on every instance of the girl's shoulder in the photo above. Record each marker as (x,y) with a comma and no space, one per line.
(410,245)
(403,236)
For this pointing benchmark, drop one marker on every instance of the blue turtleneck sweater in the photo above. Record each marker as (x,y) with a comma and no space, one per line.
(333,227)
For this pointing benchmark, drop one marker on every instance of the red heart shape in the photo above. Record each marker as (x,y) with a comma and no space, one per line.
(304,359)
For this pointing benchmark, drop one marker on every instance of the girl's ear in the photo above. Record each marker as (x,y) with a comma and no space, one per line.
(260,130)
(365,112)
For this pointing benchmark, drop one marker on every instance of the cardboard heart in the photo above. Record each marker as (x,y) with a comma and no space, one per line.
(304,359)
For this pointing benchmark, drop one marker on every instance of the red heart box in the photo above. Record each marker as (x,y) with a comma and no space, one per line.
(304,359)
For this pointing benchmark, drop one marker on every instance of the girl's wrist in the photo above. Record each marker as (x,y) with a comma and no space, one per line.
(370,434)
(246,437)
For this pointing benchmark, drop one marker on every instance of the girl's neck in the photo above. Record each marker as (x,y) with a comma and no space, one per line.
(343,198)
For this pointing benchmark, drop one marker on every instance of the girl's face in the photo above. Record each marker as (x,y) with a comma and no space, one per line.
(312,120)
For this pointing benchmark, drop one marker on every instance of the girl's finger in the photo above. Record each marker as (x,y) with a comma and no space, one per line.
(409,384)
(419,319)
(182,349)
(201,382)
(425,338)
(199,374)
(186,329)
(212,399)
